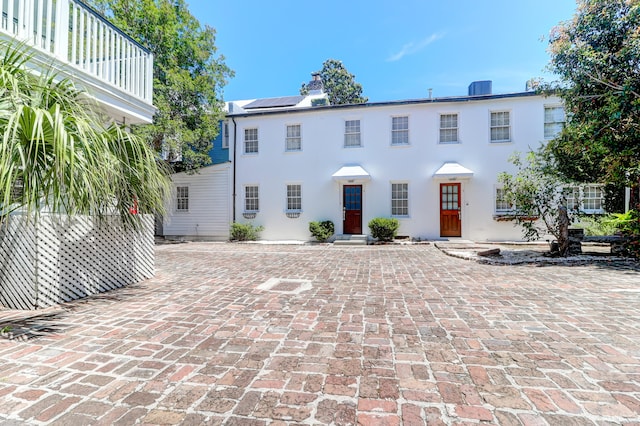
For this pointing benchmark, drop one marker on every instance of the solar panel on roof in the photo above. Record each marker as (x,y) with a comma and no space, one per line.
(284,101)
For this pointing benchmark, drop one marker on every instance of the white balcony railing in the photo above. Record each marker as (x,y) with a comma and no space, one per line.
(75,34)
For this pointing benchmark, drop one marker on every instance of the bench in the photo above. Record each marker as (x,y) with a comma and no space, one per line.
(615,241)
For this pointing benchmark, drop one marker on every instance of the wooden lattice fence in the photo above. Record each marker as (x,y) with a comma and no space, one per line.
(61,258)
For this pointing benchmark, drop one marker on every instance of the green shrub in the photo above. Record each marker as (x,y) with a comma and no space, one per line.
(322,231)
(595,225)
(245,232)
(384,229)
(629,226)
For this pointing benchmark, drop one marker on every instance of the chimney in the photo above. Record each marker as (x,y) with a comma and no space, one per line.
(478,88)
(315,86)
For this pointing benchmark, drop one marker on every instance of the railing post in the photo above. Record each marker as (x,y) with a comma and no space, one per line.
(20,16)
(61,41)
(149,78)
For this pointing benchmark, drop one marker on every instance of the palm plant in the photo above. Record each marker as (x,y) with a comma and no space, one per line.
(58,155)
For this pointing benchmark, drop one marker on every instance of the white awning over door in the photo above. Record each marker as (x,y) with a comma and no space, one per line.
(351,173)
(453,170)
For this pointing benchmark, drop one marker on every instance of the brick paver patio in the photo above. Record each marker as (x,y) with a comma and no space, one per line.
(243,334)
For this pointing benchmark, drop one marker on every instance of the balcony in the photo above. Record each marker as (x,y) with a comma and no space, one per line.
(84,47)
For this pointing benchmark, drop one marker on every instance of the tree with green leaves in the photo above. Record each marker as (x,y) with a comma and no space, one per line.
(597,57)
(188,76)
(538,196)
(339,84)
(56,153)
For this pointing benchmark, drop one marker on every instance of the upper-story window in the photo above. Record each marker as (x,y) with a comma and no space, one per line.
(225,134)
(182,198)
(500,126)
(251,141)
(449,128)
(251,198)
(293,140)
(352,134)
(400,199)
(294,197)
(554,119)
(400,130)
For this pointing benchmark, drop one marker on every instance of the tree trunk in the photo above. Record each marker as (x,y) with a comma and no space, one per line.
(563,231)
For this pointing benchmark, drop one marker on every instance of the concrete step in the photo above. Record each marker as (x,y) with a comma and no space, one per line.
(351,240)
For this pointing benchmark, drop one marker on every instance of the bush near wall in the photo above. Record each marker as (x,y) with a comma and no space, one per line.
(384,229)
(245,232)
(322,231)
(628,225)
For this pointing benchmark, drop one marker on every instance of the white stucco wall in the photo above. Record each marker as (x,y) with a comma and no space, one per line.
(209,215)
(323,153)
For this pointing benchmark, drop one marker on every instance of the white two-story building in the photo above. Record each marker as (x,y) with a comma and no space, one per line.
(431,163)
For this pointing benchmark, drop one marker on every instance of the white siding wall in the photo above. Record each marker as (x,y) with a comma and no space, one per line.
(323,154)
(209,215)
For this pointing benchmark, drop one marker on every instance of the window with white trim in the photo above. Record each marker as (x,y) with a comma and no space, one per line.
(573,197)
(251,198)
(182,198)
(449,128)
(400,199)
(294,197)
(593,199)
(293,140)
(502,206)
(225,134)
(586,198)
(352,134)
(554,119)
(400,130)
(500,126)
(251,140)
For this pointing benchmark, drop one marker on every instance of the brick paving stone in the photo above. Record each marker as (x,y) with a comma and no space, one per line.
(385,335)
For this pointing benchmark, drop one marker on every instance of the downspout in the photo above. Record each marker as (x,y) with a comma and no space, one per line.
(235,138)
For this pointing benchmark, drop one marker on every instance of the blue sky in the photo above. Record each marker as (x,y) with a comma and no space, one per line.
(396,49)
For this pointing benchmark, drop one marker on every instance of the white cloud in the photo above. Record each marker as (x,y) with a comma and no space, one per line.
(412,47)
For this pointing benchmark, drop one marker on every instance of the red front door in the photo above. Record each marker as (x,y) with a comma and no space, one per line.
(352,204)
(450,202)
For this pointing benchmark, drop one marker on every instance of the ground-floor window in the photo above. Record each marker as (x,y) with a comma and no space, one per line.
(586,198)
(251,198)
(400,199)
(502,206)
(182,198)
(294,197)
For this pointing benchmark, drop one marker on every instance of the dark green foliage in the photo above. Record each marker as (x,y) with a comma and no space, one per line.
(614,198)
(339,84)
(597,56)
(384,229)
(245,232)
(322,231)
(188,77)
